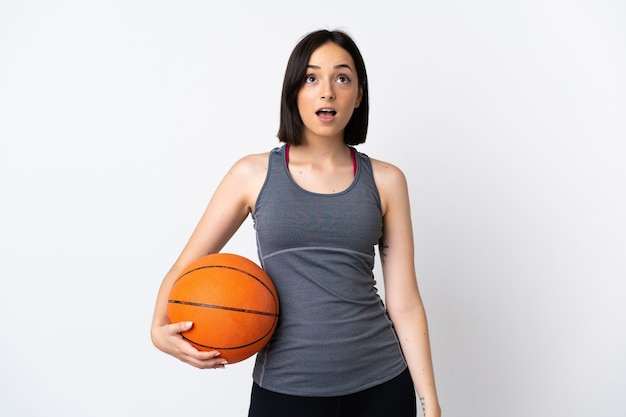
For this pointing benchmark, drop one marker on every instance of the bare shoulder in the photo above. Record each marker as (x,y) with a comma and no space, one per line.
(246,178)
(387,174)
(391,184)
(252,165)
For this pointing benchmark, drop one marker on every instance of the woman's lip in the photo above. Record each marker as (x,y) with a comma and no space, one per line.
(325,116)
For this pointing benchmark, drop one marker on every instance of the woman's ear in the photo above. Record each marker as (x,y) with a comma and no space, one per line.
(358,98)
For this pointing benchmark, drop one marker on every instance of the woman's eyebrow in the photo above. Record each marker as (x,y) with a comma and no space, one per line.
(338,66)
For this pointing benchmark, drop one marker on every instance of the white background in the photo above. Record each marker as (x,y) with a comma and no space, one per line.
(118,119)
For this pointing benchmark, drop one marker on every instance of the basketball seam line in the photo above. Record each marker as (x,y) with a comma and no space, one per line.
(233,269)
(241,310)
(228,348)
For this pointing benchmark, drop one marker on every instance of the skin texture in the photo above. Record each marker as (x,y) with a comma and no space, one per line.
(322,164)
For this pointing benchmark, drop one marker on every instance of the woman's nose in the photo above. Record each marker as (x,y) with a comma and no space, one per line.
(327,91)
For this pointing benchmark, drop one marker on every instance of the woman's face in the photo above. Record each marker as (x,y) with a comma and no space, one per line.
(330,92)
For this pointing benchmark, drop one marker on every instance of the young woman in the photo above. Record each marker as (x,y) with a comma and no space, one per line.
(319,208)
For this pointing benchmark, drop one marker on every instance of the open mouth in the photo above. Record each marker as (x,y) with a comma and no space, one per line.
(326,112)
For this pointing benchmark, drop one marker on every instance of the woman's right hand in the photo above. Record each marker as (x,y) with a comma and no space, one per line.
(168,339)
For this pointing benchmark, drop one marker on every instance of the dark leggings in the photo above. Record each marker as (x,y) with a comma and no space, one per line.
(394,398)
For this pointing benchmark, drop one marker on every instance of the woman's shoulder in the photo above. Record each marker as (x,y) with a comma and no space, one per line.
(390,182)
(386,173)
(246,177)
(251,164)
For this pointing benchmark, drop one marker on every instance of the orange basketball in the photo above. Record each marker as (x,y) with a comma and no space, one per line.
(231,301)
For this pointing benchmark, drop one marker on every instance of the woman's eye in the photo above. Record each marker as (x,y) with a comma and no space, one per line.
(309,78)
(343,79)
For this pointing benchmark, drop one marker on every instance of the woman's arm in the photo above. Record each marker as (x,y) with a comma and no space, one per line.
(402,297)
(229,206)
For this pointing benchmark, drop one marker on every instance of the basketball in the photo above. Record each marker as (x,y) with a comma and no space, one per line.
(231,301)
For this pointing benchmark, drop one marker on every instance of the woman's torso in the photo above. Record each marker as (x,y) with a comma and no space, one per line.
(334,336)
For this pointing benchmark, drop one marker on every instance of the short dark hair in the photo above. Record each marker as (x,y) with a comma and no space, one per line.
(291,128)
